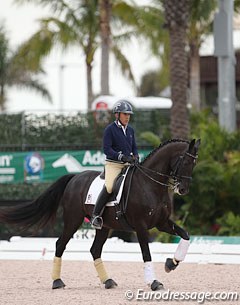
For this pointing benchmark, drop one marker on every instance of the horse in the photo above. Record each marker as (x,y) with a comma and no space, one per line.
(147,204)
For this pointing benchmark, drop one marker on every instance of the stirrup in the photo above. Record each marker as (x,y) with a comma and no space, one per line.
(97,222)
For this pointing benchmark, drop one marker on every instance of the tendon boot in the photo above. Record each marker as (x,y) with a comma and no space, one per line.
(96,220)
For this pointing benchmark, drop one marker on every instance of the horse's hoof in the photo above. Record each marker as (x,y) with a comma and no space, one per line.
(170,265)
(58,284)
(156,285)
(110,284)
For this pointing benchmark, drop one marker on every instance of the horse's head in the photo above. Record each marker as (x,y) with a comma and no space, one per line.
(182,167)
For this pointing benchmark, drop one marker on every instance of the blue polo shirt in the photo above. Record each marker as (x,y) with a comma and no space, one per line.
(116,142)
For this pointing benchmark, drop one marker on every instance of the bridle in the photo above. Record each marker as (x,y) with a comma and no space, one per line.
(174,176)
(178,166)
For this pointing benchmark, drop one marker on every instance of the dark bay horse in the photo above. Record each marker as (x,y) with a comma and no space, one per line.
(149,206)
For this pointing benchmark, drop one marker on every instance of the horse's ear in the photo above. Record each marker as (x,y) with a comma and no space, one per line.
(197,144)
(191,145)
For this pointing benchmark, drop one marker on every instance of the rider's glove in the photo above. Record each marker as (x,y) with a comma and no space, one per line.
(126,159)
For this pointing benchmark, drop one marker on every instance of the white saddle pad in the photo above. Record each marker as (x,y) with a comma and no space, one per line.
(96,187)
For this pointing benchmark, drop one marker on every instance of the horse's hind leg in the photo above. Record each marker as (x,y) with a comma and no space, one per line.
(182,248)
(96,251)
(70,227)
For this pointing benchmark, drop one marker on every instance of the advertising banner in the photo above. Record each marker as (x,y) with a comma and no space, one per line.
(47,166)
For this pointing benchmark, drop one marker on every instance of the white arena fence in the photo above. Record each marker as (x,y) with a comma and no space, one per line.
(78,248)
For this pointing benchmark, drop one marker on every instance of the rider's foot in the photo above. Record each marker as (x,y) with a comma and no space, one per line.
(96,222)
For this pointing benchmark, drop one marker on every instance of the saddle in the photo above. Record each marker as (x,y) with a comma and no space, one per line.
(97,185)
(115,199)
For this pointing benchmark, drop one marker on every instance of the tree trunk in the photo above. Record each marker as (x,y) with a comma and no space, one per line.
(89,86)
(176,14)
(2,98)
(105,13)
(195,78)
(179,124)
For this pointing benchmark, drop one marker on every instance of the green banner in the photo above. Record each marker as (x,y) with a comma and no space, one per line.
(211,239)
(47,166)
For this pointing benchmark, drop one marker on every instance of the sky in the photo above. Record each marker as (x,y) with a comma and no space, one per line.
(69,88)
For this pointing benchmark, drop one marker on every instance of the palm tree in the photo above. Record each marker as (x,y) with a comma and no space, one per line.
(16,72)
(105,7)
(146,24)
(200,25)
(153,82)
(77,24)
(177,14)
(119,22)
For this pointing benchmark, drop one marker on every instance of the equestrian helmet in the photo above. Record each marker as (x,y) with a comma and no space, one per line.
(122,106)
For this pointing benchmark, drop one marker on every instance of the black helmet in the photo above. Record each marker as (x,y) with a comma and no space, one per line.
(122,106)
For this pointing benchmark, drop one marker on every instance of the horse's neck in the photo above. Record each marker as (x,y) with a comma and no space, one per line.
(160,162)
(161,159)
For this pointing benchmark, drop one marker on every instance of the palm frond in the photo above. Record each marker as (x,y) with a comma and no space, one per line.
(36,86)
(19,68)
(57,6)
(31,53)
(124,64)
(237,6)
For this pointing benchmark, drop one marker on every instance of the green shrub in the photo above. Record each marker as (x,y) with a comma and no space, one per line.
(229,224)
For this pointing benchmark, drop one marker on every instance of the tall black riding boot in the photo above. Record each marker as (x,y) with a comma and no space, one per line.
(96,220)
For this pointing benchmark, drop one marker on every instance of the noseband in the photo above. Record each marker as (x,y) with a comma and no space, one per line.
(174,173)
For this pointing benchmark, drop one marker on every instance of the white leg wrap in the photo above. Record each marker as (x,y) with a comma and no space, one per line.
(182,249)
(149,274)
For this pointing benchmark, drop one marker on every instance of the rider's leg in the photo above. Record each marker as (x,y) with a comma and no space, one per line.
(103,197)
(112,170)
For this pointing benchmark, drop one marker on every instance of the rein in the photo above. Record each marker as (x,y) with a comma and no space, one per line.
(142,168)
(173,174)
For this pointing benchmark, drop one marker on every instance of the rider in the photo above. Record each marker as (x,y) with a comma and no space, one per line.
(120,148)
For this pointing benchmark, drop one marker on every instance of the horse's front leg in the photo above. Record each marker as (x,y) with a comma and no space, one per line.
(96,251)
(182,248)
(149,274)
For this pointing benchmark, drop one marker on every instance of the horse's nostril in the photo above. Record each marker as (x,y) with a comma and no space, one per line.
(182,191)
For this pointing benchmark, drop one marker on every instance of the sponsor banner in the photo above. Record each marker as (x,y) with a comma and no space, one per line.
(212,240)
(47,166)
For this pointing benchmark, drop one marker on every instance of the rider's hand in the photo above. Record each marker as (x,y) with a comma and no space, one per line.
(127,159)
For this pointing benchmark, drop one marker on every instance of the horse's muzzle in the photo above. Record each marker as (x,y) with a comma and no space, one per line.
(181,189)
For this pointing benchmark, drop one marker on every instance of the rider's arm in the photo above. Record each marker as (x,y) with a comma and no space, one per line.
(108,145)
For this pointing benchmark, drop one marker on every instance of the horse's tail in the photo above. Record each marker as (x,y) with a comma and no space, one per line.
(40,211)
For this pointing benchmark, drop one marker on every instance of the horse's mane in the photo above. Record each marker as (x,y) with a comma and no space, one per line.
(161,146)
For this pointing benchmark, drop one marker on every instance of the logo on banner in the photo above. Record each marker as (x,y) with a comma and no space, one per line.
(72,165)
(33,167)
